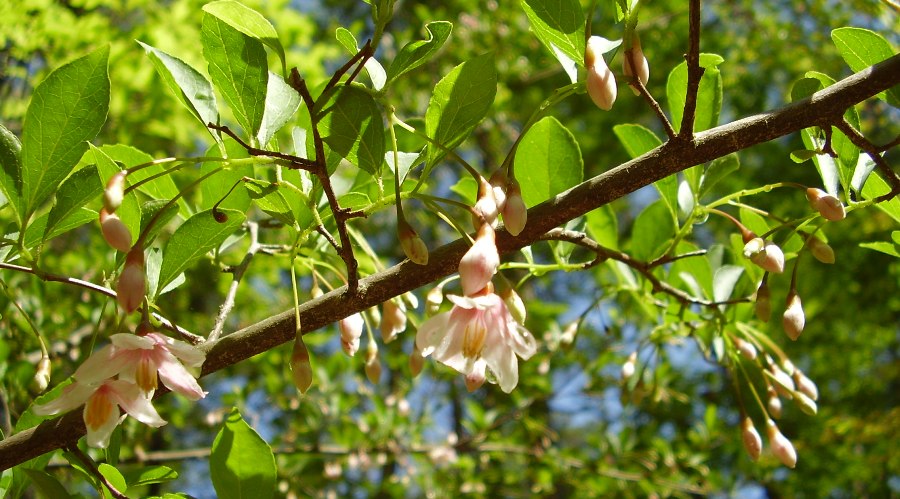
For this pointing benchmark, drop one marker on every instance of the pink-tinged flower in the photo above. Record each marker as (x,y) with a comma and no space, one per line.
(132,282)
(601,84)
(114,231)
(101,407)
(393,319)
(827,205)
(479,264)
(639,61)
(794,319)
(774,404)
(114,192)
(142,360)
(752,441)
(745,348)
(765,254)
(478,333)
(515,213)
(351,329)
(486,208)
(782,448)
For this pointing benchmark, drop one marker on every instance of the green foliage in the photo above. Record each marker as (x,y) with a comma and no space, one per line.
(548,161)
(241,463)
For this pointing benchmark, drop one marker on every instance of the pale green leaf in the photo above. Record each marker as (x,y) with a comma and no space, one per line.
(862,48)
(241,464)
(80,188)
(652,230)
(351,126)
(282,102)
(414,54)
(603,226)
(718,169)
(11,169)
(559,25)
(248,22)
(709,94)
(548,161)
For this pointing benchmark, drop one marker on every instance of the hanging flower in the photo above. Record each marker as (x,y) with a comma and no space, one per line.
(765,254)
(477,333)
(478,266)
(393,319)
(142,359)
(101,407)
(515,213)
(132,282)
(351,329)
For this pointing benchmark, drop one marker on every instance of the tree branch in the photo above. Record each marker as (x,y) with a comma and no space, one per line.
(670,158)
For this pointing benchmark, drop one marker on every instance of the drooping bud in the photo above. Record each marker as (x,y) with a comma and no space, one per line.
(486,208)
(806,404)
(114,231)
(784,385)
(639,62)
(601,83)
(433,300)
(499,183)
(820,250)
(745,348)
(794,320)
(479,264)
(132,281)
(782,448)
(827,205)
(393,320)
(628,367)
(301,370)
(774,404)
(515,304)
(332,470)
(413,246)
(373,364)
(315,292)
(752,441)
(474,380)
(41,375)
(416,361)
(805,385)
(114,193)
(515,213)
(765,254)
(763,304)
(351,329)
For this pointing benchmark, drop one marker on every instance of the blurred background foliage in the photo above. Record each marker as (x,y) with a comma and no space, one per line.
(572,427)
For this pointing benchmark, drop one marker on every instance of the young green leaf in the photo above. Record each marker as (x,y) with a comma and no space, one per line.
(639,140)
(113,475)
(282,102)
(149,209)
(603,226)
(559,25)
(46,484)
(724,281)
(37,229)
(351,126)
(709,95)
(241,463)
(196,237)
(191,87)
(548,161)
(11,169)
(80,188)
(414,54)
(147,476)
(269,198)
(237,66)
(651,231)
(373,67)
(459,102)
(248,22)
(862,48)
(67,109)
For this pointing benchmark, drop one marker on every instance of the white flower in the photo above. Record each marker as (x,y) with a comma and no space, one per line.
(478,333)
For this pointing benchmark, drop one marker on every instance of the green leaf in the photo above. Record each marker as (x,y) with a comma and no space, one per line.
(639,140)
(548,161)
(191,87)
(46,484)
(709,95)
(862,48)
(459,102)
(802,155)
(754,221)
(113,475)
(282,102)
(36,231)
(269,198)
(724,281)
(414,54)
(149,209)
(80,188)
(162,187)
(406,159)
(242,464)
(351,125)
(651,231)
(718,169)
(826,165)
(876,186)
(696,271)
(237,66)
(864,168)
(559,25)
(196,237)
(147,476)
(248,22)
(11,169)
(214,188)
(373,67)
(603,226)
(67,110)
(892,249)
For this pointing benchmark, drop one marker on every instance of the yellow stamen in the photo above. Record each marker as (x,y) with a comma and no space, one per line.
(99,410)
(473,339)
(145,377)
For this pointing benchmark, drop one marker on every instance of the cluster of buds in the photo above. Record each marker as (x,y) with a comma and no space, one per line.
(781,446)
(351,330)
(132,284)
(827,205)
(765,254)
(507,195)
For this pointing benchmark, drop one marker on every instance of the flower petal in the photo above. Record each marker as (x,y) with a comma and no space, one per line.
(177,378)
(430,333)
(102,364)
(72,396)
(98,437)
(503,363)
(187,353)
(132,341)
(132,399)
(521,340)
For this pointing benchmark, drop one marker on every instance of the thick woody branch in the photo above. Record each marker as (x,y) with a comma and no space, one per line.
(668,159)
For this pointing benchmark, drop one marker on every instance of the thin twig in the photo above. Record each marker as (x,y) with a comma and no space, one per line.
(642,89)
(294,162)
(890,145)
(695,73)
(238,274)
(863,143)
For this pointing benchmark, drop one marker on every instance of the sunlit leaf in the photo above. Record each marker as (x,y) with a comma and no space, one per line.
(248,22)
(709,95)
(414,54)
(241,464)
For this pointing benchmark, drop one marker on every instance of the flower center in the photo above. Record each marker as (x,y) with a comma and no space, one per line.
(145,377)
(98,410)
(473,339)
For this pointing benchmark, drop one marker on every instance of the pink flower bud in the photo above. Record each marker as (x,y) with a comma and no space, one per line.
(114,193)
(765,254)
(763,304)
(41,378)
(413,246)
(486,208)
(351,329)
(745,348)
(499,182)
(794,320)
(416,361)
(639,61)
(301,370)
(433,300)
(479,264)
(132,282)
(393,320)
(827,205)
(782,448)
(820,250)
(114,231)
(474,380)
(350,347)
(805,385)
(373,364)
(752,441)
(601,83)
(515,213)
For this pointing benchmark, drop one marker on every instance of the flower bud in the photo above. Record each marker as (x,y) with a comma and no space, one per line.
(806,404)
(479,264)
(515,213)
(433,300)
(301,370)
(499,183)
(601,83)
(628,367)
(114,231)
(486,207)
(805,385)
(332,470)
(132,282)
(752,441)
(774,404)
(745,348)
(784,385)
(474,380)
(416,361)
(373,364)
(827,205)
(413,246)
(794,320)
(316,292)
(42,375)
(639,62)
(114,193)
(393,320)
(350,347)
(351,329)
(820,250)
(515,304)
(763,304)
(765,254)
(781,446)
